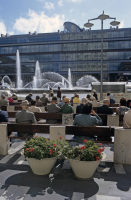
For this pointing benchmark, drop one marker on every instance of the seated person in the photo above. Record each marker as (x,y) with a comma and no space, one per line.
(104,109)
(127,119)
(76,99)
(122,107)
(10,99)
(29,97)
(33,107)
(62,102)
(4,117)
(38,101)
(86,119)
(111,97)
(14,96)
(88,97)
(44,99)
(53,108)
(66,108)
(3,102)
(79,107)
(51,96)
(25,117)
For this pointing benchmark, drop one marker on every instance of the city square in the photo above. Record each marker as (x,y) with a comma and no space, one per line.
(65,100)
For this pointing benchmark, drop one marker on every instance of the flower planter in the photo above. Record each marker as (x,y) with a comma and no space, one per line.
(84,169)
(41,167)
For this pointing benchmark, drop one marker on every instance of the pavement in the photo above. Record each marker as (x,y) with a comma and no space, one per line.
(17,181)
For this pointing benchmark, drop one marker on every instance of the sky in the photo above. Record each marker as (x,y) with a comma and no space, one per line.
(44,16)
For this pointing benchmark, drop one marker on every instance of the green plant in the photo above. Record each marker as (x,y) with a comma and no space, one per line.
(89,152)
(40,147)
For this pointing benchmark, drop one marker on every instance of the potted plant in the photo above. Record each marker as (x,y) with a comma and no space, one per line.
(41,154)
(84,160)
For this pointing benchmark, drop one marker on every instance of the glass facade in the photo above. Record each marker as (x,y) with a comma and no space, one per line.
(73,48)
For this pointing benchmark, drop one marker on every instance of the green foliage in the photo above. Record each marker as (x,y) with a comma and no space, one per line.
(40,147)
(89,152)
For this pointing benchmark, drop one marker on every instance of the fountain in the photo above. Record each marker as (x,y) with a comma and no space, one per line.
(69,77)
(85,81)
(18,70)
(37,78)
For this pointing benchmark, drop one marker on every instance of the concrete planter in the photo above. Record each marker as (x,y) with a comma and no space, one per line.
(41,167)
(83,169)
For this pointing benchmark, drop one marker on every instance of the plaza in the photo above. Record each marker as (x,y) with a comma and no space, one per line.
(65,100)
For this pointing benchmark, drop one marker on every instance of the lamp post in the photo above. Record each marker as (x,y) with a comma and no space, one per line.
(102,17)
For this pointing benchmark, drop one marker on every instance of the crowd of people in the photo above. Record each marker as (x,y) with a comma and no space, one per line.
(58,104)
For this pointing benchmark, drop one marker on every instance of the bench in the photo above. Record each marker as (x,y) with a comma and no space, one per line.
(58,116)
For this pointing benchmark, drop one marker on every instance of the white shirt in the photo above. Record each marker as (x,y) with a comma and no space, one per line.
(127,119)
(34,109)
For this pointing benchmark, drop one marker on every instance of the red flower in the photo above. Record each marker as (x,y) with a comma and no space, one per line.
(31,149)
(50,153)
(36,136)
(85,141)
(103,147)
(26,149)
(60,137)
(46,139)
(100,144)
(98,151)
(53,151)
(54,145)
(50,149)
(83,147)
(97,158)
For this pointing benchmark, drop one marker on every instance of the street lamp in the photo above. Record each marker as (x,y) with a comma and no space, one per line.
(102,17)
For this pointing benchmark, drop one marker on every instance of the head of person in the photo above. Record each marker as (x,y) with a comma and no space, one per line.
(30,94)
(33,103)
(37,98)
(108,93)
(106,102)
(14,94)
(2,96)
(58,88)
(66,100)
(52,94)
(84,100)
(44,94)
(25,104)
(93,98)
(88,96)
(87,108)
(54,100)
(63,97)
(94,90)
(50,88)
(76,95)
(123,101)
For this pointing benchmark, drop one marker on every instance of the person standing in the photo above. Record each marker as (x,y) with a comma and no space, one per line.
(59,93)
(95,94)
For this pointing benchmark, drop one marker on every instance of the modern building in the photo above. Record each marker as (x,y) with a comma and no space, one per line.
(74,48)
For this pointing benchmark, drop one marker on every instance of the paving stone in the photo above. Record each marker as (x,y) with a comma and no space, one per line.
(14,192)
(119,169)
(77,196)
(103,197)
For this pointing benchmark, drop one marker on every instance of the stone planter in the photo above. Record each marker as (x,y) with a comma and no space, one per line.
(41,167)
(84,169)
